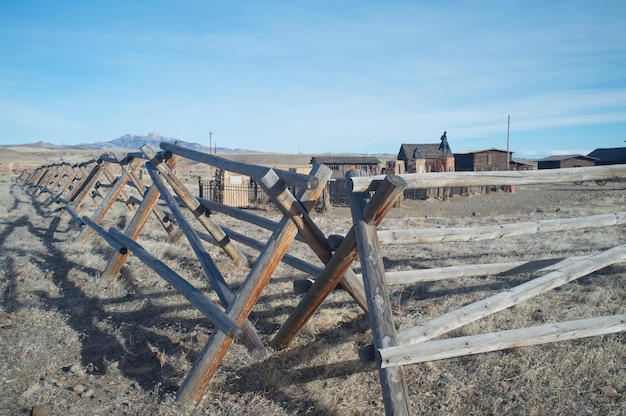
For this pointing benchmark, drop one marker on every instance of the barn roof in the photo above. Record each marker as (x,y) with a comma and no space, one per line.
(555,158)
(426,150)
(611,155)
(492,149)
(345,160)
(526,162)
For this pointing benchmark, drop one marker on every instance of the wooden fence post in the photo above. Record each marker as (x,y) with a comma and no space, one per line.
(393,382)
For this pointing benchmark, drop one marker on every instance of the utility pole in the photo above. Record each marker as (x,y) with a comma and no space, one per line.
(210,140)
(508,155)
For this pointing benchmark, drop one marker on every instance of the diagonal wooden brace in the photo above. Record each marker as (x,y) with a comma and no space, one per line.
(194,206)
(250,339)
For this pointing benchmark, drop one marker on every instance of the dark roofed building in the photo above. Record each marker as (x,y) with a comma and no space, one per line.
(342,164)
(565,161)
(614,156)
(434,158)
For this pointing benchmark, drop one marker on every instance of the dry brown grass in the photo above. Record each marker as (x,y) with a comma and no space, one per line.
(83,344)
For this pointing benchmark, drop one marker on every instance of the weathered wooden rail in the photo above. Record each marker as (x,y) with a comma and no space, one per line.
(371,200)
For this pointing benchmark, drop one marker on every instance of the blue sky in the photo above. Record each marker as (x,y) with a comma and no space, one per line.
(317,76)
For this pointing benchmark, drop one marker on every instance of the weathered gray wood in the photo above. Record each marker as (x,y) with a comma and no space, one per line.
(193,205)
(86,187)
(216,315)
(292,261)
(56,183)
(104,207)
(455,319)
(472,270)
(393,382)
(43,182)
(74,215)
(334,241)
(336,267)
(492,232)
(250,338)
(133,230)
(496,178)
(239,214)
(242,215)
(495,341)
(217,346)
(135,155)
(291,178)
(39,175)
(150,199)
(128,165)
(85,184)
(112,179)
(117,246)
(30,176)
(70,179)
(314,237)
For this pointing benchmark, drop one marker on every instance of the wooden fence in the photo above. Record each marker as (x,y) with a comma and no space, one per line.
(371,199)
(71,186)
(394,349)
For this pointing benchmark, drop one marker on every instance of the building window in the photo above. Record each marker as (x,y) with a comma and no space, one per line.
(334,168)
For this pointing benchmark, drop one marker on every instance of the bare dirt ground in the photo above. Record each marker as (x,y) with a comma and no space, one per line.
(76,343)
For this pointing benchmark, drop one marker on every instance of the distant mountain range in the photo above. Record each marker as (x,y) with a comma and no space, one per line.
(134,142)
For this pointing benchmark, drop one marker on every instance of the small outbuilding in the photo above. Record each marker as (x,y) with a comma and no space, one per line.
(565,161)
(482,160)
(342,164)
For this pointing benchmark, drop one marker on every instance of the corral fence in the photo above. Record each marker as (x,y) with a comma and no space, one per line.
(371,199)
(247,196)
(250,195)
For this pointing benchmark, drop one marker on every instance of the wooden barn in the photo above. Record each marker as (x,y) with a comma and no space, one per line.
(342,164)
(610,156)
(482,160)
(565,161)
(427,157)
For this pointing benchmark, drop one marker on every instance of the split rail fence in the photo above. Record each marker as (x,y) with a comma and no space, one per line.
(371,199)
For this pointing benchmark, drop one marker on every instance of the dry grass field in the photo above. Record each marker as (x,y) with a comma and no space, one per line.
(77,343)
